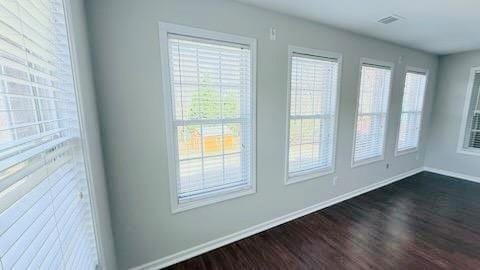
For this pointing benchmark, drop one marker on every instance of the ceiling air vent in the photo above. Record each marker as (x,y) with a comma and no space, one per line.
(389,19)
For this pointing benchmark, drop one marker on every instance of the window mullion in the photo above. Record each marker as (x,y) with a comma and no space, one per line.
(222,115)
(201,125)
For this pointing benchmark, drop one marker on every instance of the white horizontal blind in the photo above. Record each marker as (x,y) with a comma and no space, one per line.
(372,112)
(412,109)
(212,115)
(473,131)
(45,215)
(313,92)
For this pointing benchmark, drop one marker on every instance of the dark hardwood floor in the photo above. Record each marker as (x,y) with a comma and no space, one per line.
(426,221)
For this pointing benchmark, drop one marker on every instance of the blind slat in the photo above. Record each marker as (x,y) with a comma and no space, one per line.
(7,79)
(9,162)
(30,139)
(22,67)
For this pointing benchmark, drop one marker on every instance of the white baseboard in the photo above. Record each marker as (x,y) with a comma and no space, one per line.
(216,243)
(475,179)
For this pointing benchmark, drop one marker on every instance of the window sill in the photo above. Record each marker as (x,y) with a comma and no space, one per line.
(471,152)
(406,151)
(366,161)
(213,198)
(307,176)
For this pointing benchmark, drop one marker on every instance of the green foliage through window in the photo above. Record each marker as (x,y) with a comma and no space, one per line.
(207,103)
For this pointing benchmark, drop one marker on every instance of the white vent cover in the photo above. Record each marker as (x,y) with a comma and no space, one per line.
(390,19)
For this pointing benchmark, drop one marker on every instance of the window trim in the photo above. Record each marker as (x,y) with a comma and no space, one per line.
(170,28)
(317,173)
(391,65)
(88,155)
(426,72)
(461,149)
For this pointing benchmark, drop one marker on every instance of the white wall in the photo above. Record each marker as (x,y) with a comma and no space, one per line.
(126,58)
(454,73)
(86,92)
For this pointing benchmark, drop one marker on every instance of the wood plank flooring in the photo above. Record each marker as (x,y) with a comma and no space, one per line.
(426,221)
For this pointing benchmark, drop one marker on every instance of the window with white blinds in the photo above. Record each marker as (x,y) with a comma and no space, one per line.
(412,110)
(312,113)
(45,214)
(372,111)
(211,111)
(470,141)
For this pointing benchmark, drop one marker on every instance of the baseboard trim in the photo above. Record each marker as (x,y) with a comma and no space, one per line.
(453,174)
(222,241)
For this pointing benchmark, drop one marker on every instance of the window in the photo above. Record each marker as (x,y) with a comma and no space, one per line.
(312,115)
(412,109)
(372,111)
(210,95)
(45,213)
(470,133)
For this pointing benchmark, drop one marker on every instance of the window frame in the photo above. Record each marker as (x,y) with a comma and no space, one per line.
(461,149)
(317,173)
(374,62)
(86,139)
(426,72)
(226,194)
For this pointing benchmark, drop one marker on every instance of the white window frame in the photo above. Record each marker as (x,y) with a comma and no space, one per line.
(86,139)
(322,54)
(391,65)
(426,72)
(461,149)
(169,28)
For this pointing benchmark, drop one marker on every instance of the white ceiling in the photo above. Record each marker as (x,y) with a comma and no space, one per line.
(436,26)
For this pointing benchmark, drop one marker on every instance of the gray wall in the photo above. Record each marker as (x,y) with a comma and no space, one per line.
(87,98)
(124,38)
(454,73)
